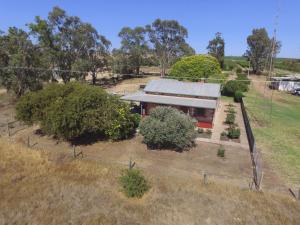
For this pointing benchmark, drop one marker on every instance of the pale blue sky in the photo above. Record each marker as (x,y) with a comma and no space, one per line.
(233,18)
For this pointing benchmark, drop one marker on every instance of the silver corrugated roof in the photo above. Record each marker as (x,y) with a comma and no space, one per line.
(169,86)
(171,100)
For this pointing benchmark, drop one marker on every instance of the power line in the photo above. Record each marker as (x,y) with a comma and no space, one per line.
(132,75)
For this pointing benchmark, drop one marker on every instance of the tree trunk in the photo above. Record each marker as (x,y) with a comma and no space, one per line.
(94,78)
(137,70)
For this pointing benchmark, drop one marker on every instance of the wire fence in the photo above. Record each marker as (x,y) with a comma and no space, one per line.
(255,154)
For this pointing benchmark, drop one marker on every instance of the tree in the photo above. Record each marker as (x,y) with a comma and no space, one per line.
(168,38)
(196,67)
(70,44)
(75,110)
(167,127)
(17,51)
(216,48)
(259,48)
(134,45)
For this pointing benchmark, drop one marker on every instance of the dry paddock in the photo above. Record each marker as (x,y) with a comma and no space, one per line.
(38,188)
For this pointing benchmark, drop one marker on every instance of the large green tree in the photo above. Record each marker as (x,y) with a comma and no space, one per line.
(168,39)
(17,52)
(260,48)
(70,44)
(216,48)
(134,46)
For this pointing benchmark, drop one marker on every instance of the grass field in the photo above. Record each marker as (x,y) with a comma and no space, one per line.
(278,135)
(37,190)
(282,65)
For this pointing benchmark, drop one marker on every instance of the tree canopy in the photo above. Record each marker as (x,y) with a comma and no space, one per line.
(259,49)
(195,67)
(168,39)
(17,52)
(134,46)
(216,48)
(69,44)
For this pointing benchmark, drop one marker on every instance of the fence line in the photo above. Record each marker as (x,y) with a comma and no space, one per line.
(255,154)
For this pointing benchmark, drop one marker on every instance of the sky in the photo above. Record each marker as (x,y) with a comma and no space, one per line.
(235,19)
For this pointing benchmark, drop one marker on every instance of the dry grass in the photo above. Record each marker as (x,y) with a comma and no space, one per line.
(34,190)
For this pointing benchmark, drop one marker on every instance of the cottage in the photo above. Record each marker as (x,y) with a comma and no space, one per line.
(286,83)
(199,100)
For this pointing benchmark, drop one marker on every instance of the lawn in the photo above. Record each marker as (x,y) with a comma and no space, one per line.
(277,134)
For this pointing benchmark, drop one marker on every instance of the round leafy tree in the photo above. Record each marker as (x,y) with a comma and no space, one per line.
(167,127)
(195,67)
(75,110)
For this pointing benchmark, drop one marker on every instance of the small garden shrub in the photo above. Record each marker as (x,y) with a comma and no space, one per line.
(167,127)
(208,131)
(221,152)
(133,183)
(238,95)
(230,118)
(200,130)
(234,132)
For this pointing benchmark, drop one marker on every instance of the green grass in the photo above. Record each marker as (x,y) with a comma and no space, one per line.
(278,135)
(283,65)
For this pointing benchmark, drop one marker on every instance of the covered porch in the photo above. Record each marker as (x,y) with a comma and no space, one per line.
(202,110)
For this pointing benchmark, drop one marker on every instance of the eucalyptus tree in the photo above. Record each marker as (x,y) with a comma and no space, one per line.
(259,49)
(169,41)
(19,57)
(134,45)
(69,44)
(216,48)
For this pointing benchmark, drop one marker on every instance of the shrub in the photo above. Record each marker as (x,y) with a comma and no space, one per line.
(233,86)
(200,130)
(224,134)
(167,127)
(234,132)
(208,131)
(73,110)
(221,152)
(195,67)
(230,118)
(133,183)
(238,95)
(239,70)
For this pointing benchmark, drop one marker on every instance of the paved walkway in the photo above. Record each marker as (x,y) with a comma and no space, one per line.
(219,127)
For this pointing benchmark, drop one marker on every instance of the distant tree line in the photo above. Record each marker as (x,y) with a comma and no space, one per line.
(62,43)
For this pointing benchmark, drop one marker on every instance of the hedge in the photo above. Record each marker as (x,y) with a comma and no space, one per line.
(195,67)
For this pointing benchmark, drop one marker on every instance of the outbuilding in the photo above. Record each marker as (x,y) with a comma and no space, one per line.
(199,100)
(286,83)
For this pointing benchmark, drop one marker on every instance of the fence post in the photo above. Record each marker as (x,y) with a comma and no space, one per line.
(299,194)
(74,152)
(28,142)
(8,129)
(205,178)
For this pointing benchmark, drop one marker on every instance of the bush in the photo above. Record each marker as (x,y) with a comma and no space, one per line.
(195,67)
(133,183)
(200,130)
(221,152)
(230,118)
(167,127)
(224,134)
(233,86)
(238,95)
(73,110)
(234,132)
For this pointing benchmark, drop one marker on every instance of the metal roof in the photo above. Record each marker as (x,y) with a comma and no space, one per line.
(169,86)
(171,100)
